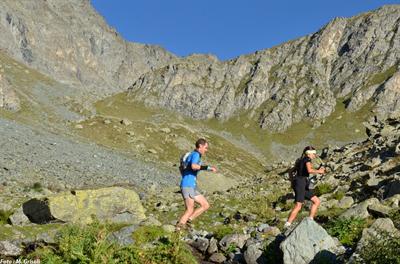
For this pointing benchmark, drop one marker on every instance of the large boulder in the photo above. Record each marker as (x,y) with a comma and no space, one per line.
(374,233)
(113,204)
(309,242)
(360,210)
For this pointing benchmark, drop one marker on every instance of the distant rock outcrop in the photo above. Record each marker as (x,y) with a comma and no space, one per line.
(353,60)
(72,43)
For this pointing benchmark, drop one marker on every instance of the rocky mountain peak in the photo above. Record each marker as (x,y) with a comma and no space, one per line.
(350,60)
(71,42)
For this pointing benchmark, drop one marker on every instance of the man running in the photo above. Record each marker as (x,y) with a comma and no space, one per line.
(188,185)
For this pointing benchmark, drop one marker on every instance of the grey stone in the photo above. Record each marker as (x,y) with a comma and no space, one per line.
(394,201)
(5,207)
(379,210)
(124,217)
(213,246)
(254,254)
(217,258)
(123,236)
(373,180)
(360,210)
(8,98)
(151,220)
(397,150)
(10,249)
(48,237)
(200,244)
(261,227)
(19,218)
(307,242)
(331,203)
(126,122)
(374,162)
(236,239)
(373,232)
(165,130)
(152,151)
(168,228)
(346,202)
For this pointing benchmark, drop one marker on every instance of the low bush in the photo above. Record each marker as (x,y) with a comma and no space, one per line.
(385,249)
(323,188)
(4,215)
(347,230)
(395,216)
(89,244)
(37,186)
(338,195)
(222,231)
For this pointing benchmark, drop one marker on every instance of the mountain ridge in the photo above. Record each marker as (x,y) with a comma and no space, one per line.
(295,81)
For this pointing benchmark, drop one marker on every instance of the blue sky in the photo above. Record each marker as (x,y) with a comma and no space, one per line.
(225,28)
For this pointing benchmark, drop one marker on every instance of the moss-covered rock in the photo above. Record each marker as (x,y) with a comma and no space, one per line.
(114,204)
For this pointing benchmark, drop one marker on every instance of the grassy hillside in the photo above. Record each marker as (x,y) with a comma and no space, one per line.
(237,145)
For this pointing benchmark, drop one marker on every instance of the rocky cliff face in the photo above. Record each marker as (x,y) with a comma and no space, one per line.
(70,42)
(354,60)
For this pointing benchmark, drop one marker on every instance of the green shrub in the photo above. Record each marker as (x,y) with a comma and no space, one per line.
(169,250)
(382,250)
(37,186)
(231,248)
(395,216)
(222,231)
(348,231)
(89,244)
(323,188)
(4,215)
(338,195)
(145,234)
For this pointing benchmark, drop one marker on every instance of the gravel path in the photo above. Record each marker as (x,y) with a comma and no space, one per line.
(30,156)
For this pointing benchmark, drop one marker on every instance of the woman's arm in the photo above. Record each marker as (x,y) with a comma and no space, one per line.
(313,171)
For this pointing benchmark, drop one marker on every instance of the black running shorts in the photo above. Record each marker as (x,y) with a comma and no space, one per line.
(301,191)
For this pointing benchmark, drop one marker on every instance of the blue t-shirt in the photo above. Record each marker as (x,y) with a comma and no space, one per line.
(189,176)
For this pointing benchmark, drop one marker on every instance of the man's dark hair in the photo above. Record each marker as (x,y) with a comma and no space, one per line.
(200,141)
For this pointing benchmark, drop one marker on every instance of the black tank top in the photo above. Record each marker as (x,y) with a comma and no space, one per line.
(302,170)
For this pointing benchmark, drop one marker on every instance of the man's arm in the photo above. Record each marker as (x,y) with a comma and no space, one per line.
(196,166)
